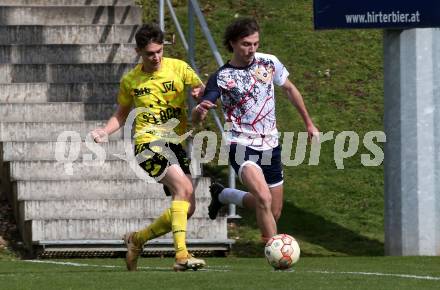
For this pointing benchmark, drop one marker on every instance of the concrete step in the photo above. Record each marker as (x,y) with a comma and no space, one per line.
(53,170)
(58,92)
(65,2)
(55,112)
(31,131)
(68,53)
(86,189)
(67,34)
(102,208)
(63,73)
(97,189)
(69,15)
(72,229)
(45,151)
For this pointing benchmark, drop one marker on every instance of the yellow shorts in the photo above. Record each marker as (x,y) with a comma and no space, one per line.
(158,159)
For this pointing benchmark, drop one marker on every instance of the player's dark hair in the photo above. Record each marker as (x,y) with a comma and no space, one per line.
(239,28)
(147,34)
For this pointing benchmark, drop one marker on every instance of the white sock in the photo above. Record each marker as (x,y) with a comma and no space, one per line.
(232,195)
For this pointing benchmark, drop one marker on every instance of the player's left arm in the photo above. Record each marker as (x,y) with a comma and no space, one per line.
(192,79)
(297,100)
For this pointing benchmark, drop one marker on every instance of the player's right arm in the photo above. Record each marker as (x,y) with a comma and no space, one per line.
(125,102)
(113,124)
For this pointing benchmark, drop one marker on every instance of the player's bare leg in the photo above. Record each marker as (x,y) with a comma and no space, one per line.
(277,201)
(192,200)
(248,201)
(253,178)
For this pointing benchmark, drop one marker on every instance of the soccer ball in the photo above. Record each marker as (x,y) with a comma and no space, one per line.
(282,251)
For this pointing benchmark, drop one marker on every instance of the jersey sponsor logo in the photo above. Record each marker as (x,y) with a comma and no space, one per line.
(164,115)
(150,118)
(168,86)
(141,92)
(170,113)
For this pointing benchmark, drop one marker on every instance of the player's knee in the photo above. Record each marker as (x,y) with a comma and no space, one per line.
(189,190)
(184,190)
(184,193)
(264,201)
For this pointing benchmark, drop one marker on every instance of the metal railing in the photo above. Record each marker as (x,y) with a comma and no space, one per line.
(194,12)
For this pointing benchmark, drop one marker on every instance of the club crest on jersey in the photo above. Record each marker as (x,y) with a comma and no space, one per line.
(168,86)
(230,84)
(263,74)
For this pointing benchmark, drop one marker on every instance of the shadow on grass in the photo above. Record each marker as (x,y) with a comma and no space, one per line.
(314,229)
(317,230)
(304,225)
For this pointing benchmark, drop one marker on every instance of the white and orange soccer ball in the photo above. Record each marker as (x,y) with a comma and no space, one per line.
(282,251)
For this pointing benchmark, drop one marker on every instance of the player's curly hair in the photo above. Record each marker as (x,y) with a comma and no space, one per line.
(239,28)
(149,33)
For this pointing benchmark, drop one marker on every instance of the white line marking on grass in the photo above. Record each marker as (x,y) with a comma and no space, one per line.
(207,269)
(71,264)
(380,274)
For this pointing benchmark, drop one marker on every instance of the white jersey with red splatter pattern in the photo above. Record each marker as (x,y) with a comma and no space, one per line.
(248,100)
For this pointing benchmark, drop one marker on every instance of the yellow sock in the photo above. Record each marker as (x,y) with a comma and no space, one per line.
(159,227)
(179,211)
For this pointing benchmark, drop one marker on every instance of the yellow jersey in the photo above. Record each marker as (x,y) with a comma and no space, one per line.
(159,97)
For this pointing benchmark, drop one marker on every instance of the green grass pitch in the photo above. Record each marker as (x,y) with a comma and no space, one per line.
(225,273)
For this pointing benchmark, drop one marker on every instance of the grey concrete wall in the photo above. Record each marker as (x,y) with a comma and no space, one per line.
(65,2)
(68,53)
(97,189)
(113,229)
(55,112)
(58,51)
(102,208)
(86,189)
(68,34)
(69,15)
(63,73)
(59,92)
(46,151)
(412,102)
(38,131)
(52,170)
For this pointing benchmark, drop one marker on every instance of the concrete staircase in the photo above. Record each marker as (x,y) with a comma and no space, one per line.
(60,64)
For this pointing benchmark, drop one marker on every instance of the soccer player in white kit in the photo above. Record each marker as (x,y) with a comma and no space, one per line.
(245,86)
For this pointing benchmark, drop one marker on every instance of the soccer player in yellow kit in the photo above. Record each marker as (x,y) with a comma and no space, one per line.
(157,85)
